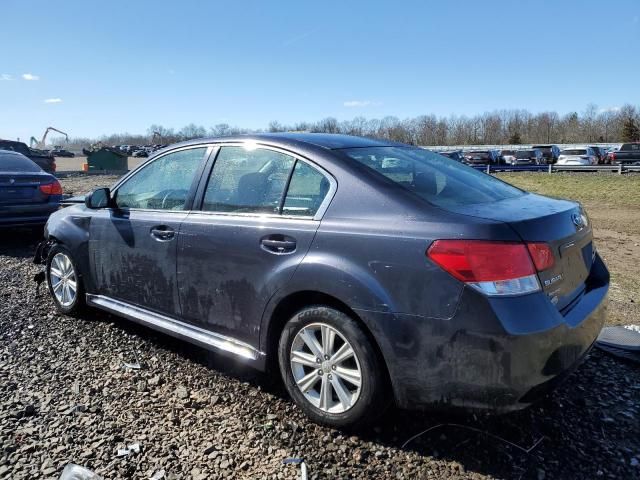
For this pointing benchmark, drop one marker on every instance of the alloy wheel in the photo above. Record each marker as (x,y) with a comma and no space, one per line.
(64,281)
(325,368)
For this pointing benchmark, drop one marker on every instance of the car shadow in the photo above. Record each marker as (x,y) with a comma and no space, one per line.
(20,242)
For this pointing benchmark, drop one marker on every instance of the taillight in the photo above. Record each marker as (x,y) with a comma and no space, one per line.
(53,188)
(493,268)
(542,256)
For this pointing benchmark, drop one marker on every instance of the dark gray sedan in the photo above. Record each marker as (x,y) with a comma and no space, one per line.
(365,271)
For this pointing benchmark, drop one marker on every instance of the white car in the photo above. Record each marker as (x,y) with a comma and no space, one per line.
(578,156)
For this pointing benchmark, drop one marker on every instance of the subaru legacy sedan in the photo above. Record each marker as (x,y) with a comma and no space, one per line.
(365,271)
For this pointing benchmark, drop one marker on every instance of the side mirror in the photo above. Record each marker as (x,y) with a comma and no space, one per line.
(99,198)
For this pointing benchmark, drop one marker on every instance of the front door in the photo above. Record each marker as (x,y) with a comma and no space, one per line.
(133,246)
(248,238)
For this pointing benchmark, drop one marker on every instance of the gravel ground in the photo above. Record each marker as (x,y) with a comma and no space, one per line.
(65,396)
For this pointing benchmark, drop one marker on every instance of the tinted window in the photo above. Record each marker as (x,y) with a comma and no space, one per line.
(630,146)
(435,178)
(11,162)
(247,181)
(525,154)
(306,191)
(163,184)
(575,151)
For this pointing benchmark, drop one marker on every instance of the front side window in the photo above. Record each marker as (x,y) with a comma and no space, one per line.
(163,184)
(437,179)
(307,190)
(247,180)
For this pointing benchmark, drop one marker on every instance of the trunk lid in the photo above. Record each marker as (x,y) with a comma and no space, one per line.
(23,188)
(560,223)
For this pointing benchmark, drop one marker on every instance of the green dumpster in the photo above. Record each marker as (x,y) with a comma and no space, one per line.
(107,159)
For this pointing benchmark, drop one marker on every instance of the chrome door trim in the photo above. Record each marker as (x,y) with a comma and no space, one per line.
(174,327)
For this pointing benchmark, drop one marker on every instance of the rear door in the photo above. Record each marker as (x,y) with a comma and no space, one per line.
(248,237)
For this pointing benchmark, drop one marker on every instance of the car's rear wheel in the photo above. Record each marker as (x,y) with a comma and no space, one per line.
(64,281)
(331,369)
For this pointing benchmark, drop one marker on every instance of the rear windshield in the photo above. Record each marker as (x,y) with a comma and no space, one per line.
(11,162)
(437,179)
(630,146)
(574,151)
(14,146)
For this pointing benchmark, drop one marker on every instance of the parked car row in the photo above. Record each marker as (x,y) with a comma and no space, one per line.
(138,150)
(536,155)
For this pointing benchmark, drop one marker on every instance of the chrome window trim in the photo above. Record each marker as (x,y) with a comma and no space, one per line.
(207,147)
(210,146)
(333,183)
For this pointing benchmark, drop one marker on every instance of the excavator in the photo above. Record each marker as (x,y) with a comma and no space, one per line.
(34,143)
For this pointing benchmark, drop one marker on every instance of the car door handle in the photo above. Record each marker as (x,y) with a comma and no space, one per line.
(163,233)
(278,244)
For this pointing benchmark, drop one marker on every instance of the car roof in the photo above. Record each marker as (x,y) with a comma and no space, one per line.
(330,141)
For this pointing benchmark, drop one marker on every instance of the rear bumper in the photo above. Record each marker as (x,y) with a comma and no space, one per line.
(500,354)
(26,215)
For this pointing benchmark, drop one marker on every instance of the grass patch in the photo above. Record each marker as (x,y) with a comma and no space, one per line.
(611,189)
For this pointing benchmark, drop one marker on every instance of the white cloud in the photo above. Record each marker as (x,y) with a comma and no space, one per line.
(609,109)
(360,103)
(5,77)
(53,100)
(30,76)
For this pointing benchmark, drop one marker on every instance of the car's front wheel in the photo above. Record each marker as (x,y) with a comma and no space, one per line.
(331,369)
(64,281)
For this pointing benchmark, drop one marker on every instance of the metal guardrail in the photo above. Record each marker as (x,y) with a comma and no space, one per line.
(620,169)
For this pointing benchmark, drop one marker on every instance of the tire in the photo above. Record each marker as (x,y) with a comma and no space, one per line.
(346,404)
(60,261)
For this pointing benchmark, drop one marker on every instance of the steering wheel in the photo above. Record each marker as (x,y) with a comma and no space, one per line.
(174,196)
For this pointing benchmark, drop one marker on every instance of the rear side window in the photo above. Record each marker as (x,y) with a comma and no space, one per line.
(11,162)
(437,179)
(307,190)
(247,181)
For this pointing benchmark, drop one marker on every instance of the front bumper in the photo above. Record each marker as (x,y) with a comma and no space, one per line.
(500,354)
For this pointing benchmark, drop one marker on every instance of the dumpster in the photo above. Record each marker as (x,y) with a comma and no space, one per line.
(106,158)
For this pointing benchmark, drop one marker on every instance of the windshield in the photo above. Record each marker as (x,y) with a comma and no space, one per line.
(11,162)
(525,154)
(574,151)
(437,179)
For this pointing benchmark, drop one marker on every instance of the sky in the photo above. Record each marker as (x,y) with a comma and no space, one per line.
(95,68)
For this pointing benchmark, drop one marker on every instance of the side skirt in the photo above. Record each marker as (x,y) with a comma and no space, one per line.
(176,328)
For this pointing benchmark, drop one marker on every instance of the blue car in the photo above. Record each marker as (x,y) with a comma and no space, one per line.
(364,271)
(28,195)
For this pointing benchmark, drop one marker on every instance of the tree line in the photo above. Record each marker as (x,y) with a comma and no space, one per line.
(518,126)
